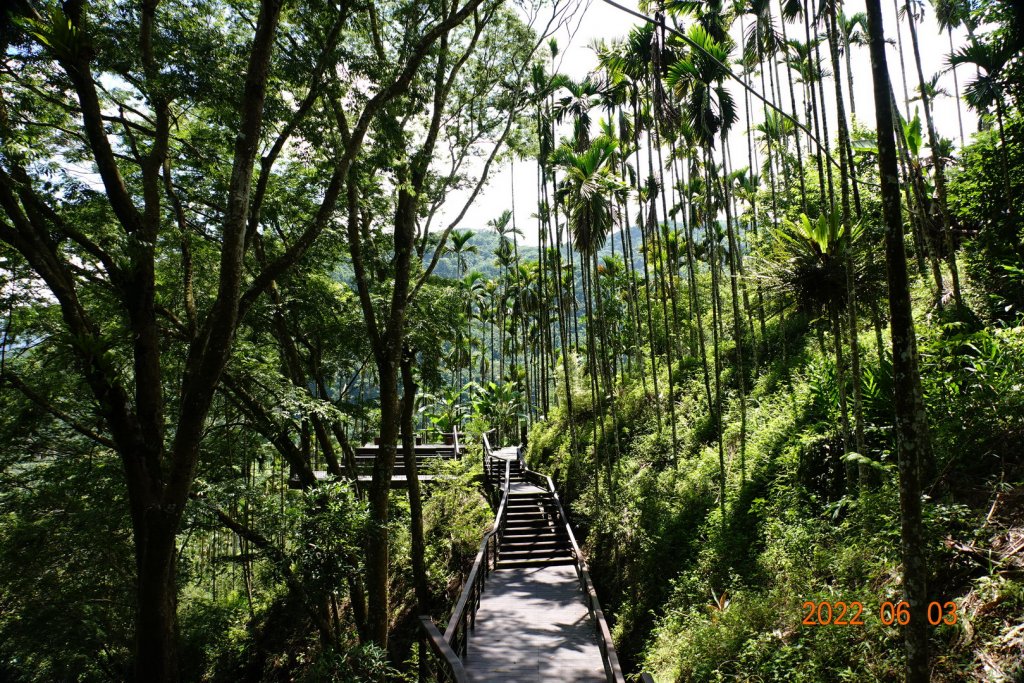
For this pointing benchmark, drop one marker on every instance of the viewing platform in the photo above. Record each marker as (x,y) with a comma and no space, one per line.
(428,456)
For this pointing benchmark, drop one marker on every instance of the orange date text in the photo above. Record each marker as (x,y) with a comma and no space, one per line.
(843,613)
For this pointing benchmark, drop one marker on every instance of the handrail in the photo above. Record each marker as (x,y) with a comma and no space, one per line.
(455,437)
(485,453)
(452,647)
(464,615)
(612,669)
(456,672)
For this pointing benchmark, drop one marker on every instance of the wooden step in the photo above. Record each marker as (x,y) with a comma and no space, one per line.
(520,510)
(521,505)
(529,530)
(529,523)
(530,516)
(534,529)
(532,551)
(535,562)
(541,543)
(532,523)
(518,520)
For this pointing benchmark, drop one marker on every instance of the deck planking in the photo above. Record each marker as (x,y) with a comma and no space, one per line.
(532,626)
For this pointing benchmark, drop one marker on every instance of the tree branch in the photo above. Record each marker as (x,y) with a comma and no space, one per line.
(209,353)
(35,397)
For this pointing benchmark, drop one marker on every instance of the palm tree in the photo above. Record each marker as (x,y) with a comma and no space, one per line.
(937,161)
(989,88)
(709,112)
(504,227)
(801,58)
(505,256)
(911,422)
(635,61)
(475,287)
(789,11)
(698,81)
(932,89)
(748,185)
(950,14)
(458,246)
(846,173)
(581,97)
(774,133)
(852,31)
(618,90)
(587,192)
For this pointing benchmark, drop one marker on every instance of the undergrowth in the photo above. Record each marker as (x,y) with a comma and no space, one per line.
(695,596)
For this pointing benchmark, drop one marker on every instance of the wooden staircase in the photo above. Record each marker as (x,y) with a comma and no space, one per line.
(532,534)
(540,615)
(427,458)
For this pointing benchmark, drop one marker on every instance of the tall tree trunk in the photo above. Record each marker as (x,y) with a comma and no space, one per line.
(911,423)
(563,310)
(899,51)
(849,80)
(156,626)
(645,219)
(418,545)
(814,74)
(692,268)
(636,353)
(377,547)
(387,343)
(799,150)
(938,166)
(714,259)
(667,291)
(845,173)
(737,319)
(956,89)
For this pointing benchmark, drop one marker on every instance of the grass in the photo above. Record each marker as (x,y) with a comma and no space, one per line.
(694,597)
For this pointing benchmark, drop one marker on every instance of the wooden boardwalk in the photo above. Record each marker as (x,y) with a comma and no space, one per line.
(528,612)
(532,626)
(427,456)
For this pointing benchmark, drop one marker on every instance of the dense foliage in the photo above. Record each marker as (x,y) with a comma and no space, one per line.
(770,352)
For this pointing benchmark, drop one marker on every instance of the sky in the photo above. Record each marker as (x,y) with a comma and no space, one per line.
(601,20)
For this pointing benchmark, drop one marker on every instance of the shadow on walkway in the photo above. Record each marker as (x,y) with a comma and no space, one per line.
(533,626)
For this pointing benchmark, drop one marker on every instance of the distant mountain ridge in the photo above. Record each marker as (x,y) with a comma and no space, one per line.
(486,243)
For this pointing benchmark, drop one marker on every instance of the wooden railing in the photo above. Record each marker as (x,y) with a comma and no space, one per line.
(451,669)
(485,452)
(487,456)
(612,669)
(464,617)
(452,647)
